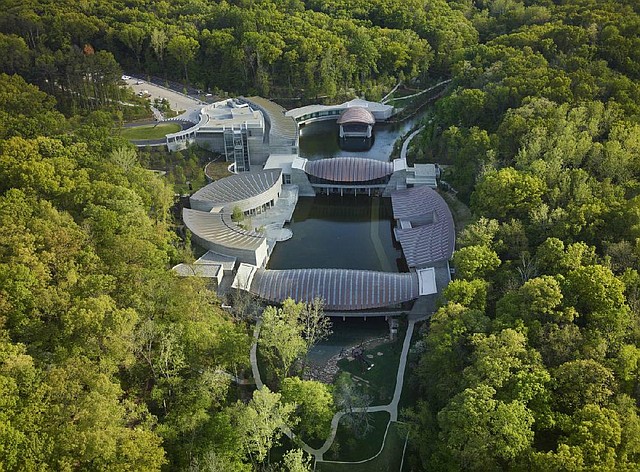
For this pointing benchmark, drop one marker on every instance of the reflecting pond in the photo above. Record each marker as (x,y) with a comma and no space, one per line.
(319,140)
(350,232)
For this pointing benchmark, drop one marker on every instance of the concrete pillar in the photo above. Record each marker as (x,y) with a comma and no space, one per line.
(341,192)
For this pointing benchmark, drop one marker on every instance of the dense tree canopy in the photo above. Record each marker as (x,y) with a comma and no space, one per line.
(107,358)
(110,362)
(541,331)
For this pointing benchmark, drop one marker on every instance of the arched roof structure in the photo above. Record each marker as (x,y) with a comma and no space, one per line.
(219,229)
(348,169)
(427,231)
(356,115)
(244,190)
(341,289)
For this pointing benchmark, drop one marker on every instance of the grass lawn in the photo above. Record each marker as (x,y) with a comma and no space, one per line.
(346,447)
(156,131)
(217,170)
(380,380)
(388,460)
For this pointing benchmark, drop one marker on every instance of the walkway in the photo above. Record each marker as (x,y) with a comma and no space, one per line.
(386,98)
(157,114)
(405,145)
(421,91)
(391,408)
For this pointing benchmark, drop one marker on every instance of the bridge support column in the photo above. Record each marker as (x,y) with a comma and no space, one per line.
(393,328)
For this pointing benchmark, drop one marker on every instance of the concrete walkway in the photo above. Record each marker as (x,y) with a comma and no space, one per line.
(425,90)
(405,145)
(385,99)
(391,408)
(157,114)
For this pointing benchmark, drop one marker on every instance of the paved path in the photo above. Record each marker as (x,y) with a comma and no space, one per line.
(425,90)
(157,114)
(391,408)
(405,145)
(385,99)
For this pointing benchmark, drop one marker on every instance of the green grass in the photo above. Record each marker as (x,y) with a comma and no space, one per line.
(381,377)
(156,131)
(346,447)
(217,170)
(388,460)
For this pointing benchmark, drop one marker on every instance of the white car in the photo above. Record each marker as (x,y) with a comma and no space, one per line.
(139,82)
(125,77)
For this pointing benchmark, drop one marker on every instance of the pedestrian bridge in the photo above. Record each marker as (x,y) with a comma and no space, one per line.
(340,289)
(313,113)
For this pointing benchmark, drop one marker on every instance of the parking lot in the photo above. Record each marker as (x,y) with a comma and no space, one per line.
(177,101)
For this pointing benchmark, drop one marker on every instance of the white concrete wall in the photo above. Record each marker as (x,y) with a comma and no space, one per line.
(252,203)
(299,178)
(246,204)
(257,257)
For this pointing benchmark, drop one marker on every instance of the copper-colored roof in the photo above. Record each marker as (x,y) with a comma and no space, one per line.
(348,169)
(341,289)
(356,115)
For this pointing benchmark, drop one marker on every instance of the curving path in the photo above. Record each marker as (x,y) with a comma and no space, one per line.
(425,90)
(391,408)
(405,145)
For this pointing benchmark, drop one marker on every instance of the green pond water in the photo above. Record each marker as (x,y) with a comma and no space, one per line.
(346,334)
(320,140)
(346,232)
(349,232)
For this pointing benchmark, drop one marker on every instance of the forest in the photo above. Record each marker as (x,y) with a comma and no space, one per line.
(110,362)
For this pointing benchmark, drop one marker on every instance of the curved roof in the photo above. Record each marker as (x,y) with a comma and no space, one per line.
(237,187)
(431,238)
(348,169)
(341,289)
(356,115)
(282,126)
(218,228)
